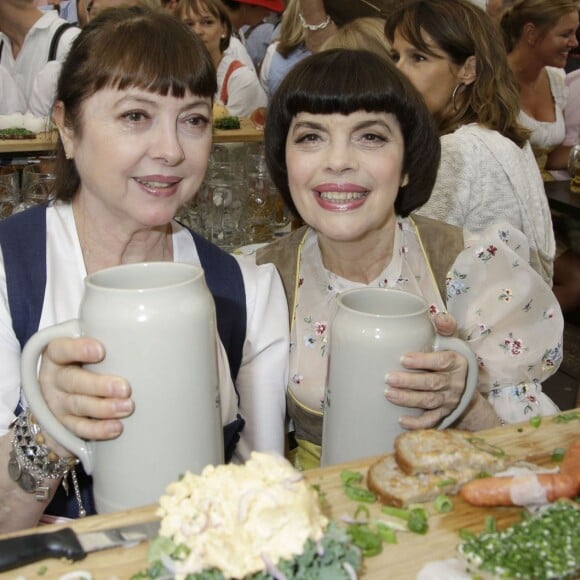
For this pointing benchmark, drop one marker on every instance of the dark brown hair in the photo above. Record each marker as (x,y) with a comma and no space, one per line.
(346,81)
(122,48)
(461,30)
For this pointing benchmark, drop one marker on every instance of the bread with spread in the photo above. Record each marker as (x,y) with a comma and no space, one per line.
(430,462)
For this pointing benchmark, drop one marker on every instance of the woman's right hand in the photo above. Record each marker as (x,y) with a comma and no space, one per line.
(88,404)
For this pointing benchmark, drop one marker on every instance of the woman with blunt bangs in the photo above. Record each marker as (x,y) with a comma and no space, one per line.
(133,112)
(353,150)
(452,52)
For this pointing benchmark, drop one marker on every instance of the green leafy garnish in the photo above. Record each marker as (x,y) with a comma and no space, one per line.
(326,559)
(228,122)
(536,421)
(443,504)
(558,454)
(566,417)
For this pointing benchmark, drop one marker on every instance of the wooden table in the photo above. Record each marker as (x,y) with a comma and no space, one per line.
(401,561)
(562,199)
(45,142)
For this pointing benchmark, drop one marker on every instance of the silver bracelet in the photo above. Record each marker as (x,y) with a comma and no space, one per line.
(314,27)
(31,461)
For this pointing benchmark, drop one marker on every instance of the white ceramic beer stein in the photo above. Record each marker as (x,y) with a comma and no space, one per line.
(369,332)
(157,323)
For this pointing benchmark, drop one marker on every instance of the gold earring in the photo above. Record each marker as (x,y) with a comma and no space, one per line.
(456,91)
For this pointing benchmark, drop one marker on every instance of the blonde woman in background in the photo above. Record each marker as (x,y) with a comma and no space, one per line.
(284,53)
(538,35)
(366,33)
(239,89)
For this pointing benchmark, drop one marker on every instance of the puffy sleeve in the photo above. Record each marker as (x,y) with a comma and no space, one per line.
(263,375)
(510,318)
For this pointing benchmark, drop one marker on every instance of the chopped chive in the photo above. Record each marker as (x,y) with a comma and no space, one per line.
(558,454)
(443,504)
(349,477)
(387,533)
(536,421)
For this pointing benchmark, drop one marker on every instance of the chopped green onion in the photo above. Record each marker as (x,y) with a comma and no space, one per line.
(558,454)
(566,417)
(349,477)
(359,494)
(396,512)
(446,482)
(482,475)
(466,534)
(490,524)
(362,509)
(387,533)
(368,541)
(443,504)
(483,445)
(536,421)
(417,522)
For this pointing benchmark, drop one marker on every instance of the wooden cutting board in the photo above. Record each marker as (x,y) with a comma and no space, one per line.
(401,561)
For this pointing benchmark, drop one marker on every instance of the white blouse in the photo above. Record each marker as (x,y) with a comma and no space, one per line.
(504,311)
(263,373)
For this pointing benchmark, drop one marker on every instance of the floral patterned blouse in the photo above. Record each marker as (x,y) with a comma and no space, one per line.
(504,310)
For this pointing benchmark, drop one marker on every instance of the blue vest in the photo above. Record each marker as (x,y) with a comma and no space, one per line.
(23,242)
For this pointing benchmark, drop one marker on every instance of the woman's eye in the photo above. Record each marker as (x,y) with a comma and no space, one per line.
(134,116)
(307,138)
(373,138)
(395,56)
(196,121)
(419,57)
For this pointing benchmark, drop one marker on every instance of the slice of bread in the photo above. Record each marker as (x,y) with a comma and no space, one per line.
(432,451)
(394,487)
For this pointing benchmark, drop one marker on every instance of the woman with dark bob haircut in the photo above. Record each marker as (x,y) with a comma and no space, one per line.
(353,149)
(318,88)
(134,116)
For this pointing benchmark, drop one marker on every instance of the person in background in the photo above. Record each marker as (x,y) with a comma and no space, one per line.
(317,23)
(239,89)
(366,33)
(285,52)
(133,110)
(29,40)
(11,99)
(257,22)
(353,150)
(538,36)
(452,52)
